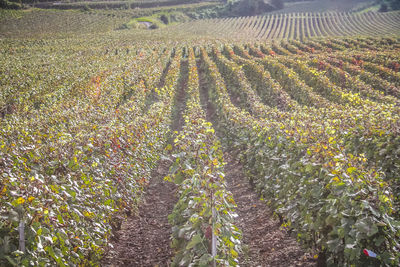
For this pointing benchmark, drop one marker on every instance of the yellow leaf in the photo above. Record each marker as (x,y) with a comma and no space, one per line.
(215,162)
(31,198)
(234,253)
(210,130)
(20,200)
(169,147)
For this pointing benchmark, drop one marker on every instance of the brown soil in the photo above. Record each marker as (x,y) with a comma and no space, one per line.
(180,99)
(144,239)
(265,242)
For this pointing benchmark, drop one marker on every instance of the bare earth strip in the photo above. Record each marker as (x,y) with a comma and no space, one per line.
(144,239)
(265,242)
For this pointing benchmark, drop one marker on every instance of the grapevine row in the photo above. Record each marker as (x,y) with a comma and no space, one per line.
(202,219)
(71,167)
(296,26)
(304,179)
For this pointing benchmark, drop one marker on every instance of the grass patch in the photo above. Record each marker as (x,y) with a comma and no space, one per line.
(132,24)
(157,20)
(146,19)
(155,23)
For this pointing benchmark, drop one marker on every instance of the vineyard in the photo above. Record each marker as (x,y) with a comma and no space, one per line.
(296,26)
(181,146)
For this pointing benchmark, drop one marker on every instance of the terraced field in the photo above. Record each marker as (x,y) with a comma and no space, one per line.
(116,149)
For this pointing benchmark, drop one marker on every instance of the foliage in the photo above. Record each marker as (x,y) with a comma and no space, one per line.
(164,19)
(86,111)
(79,159)
(389,5)
(141,7)
(205,207)
(330,194)
(9,5)
(250,7)
(383,8)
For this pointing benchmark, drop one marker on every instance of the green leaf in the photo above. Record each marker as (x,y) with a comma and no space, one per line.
(60,219)
(205,259)
(11,261)
(186,260)
(195,240)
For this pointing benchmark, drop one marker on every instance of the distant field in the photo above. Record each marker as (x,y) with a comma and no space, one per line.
(118,4)
(323,6)
(296,26)
(269,27)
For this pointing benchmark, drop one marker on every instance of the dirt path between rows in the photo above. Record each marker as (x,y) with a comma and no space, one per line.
(180,100)
(144,239)
(265,243)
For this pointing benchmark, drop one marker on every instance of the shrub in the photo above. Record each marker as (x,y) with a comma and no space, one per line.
(86,7)
(164,19)
(249,7)
(383,8)
(9,5)
(395,5)
(153,26)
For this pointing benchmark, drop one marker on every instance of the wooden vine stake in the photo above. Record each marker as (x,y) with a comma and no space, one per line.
(213,240)
(21,230)
(213,236)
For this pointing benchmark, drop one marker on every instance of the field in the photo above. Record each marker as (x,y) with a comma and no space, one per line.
(295,26)
(269,140)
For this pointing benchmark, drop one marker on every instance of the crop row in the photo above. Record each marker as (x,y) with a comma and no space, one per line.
(296,26)
(371,127)
(78,147)
(362,107)
(202,219)
(73,164)
(301,161)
